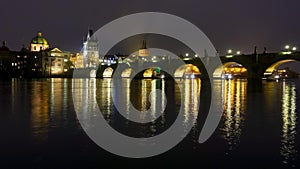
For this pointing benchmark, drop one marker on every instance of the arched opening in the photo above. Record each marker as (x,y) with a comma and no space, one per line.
(148,73)
(108,72)
(154,72)
(187,71)
(93,73)
(230,70)
(127,73)
(283,69)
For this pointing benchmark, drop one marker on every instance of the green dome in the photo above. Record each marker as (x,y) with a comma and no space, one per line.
(39,39)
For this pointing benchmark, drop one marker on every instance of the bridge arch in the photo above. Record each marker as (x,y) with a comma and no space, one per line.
(148,73)
(127,73)
(93,73)
(219,71)
(108,72)
(269,70)
(187,70)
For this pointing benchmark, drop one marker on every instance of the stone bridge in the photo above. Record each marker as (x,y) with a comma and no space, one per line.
(256,65)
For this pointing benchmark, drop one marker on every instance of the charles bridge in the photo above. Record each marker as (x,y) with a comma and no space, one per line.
(256,64)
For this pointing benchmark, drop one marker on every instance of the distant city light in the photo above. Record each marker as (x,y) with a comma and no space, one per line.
(287,53)
(229,56)
(238,52)
(287,47)
(294,48)
(229,51)
(187,54)
(196,55)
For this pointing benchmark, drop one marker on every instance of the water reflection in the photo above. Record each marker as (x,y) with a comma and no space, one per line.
(42,115)
(191,92)
(49,104)
(40,110)
(289,123)
(139,94)
(234,101)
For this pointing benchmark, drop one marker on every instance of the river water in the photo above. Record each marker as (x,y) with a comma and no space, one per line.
(258,129)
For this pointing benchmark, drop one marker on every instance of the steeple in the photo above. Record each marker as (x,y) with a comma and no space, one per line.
(89,34)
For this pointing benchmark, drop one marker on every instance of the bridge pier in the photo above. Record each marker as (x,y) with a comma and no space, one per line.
(255,71)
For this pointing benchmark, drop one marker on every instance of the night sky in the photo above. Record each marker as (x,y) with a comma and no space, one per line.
(235,24)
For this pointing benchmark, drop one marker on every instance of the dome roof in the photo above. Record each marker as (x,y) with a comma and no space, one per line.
(4,47)
(39,39)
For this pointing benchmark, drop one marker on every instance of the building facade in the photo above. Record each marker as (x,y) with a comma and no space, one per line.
(8,64)
(52,62)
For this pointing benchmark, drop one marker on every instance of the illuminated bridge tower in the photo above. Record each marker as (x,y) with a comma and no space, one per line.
(90,51)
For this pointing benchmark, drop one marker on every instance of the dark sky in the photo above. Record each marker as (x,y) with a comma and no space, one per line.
(236,24)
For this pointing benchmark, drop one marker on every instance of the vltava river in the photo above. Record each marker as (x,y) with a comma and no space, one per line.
(258,129)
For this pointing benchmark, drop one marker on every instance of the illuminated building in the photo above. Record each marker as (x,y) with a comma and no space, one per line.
(90,51)
(77,60)
(53,62)
(43,60)
(38,43)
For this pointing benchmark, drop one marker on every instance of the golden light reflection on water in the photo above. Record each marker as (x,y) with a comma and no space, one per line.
(191,92)
(289,123)
(140,97)
(234,101)
(40,110)
(49,100)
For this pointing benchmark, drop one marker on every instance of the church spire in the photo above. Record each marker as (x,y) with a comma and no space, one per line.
(90,33)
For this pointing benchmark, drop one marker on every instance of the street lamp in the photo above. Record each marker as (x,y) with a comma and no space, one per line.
(238,52)
(187,54)
(287,47)
(294,48)
(229,51)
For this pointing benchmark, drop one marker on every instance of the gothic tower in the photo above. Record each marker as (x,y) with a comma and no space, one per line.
(90,50)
